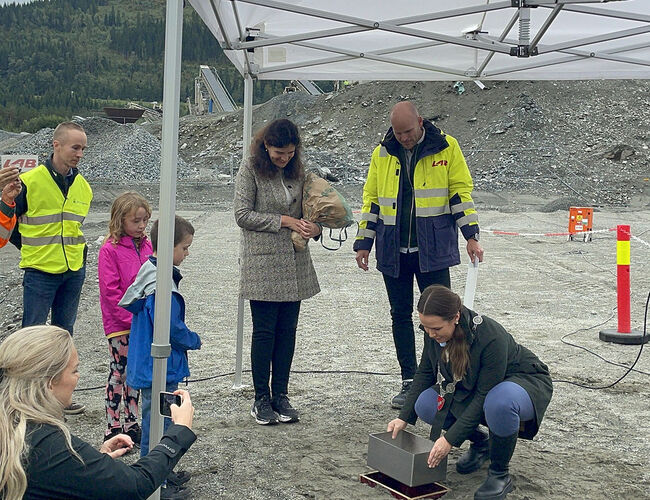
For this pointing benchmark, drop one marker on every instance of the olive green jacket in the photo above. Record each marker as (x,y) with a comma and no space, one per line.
(494,357)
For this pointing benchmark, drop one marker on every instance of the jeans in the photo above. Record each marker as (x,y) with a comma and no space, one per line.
(506,405)
(400,297)
(273,345)
(60,293)
(145,397)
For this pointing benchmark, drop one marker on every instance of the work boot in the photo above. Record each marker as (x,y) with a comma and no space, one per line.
(400,398)
(478,453)
(498,483)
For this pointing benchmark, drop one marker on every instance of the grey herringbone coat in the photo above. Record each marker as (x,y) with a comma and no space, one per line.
(270,268)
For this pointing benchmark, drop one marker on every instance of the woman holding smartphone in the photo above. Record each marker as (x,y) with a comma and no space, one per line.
(39,458)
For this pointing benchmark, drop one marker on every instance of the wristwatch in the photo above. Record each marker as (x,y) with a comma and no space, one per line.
(474,236)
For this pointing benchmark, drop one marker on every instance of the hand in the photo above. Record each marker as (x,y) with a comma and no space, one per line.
(8,175)
(183,414)
(290,222)
(308,229)
(440,450)
(11,190)
(362,259)
(117,445)
(395,426)
(474,248)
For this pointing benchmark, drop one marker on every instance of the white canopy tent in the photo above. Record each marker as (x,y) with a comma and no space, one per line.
(416,40)
(389,40)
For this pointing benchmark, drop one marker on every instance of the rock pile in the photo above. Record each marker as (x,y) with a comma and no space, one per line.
(115,153)
(585,141)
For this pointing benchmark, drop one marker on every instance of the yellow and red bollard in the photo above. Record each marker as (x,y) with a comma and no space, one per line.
(624,333)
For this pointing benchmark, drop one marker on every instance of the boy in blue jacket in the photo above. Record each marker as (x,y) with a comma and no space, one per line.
(139,299)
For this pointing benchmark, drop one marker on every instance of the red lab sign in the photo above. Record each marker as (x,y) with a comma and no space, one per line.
(23,162)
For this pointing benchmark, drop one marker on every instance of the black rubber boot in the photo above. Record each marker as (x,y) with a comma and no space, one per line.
(498,483)
(476,456)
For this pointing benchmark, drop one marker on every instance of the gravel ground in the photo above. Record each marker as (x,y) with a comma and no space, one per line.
(534,148)
(592,444)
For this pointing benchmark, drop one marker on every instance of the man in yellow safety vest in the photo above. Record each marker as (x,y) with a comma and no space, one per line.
(416,197)
(51,207)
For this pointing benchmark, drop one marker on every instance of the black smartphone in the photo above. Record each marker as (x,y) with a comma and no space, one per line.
(167,399)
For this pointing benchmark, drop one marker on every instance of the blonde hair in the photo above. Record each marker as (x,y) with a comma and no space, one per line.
(124,204)
(30,359)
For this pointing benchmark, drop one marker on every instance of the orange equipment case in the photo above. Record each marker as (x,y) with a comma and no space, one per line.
(581,220)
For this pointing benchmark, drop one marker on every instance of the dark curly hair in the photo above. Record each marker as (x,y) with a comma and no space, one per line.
(280,134)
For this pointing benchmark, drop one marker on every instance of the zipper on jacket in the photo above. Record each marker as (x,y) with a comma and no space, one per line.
(408,176)
(65,256)
(136,248)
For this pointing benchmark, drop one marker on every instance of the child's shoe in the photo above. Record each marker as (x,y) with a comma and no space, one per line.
(114,432)
(135,433)
(178,478)
(171,492)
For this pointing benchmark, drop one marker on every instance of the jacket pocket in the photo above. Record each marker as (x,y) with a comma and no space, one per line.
(265,243)
(445,235)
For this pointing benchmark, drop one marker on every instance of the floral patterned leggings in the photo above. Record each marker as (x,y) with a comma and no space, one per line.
(116,388)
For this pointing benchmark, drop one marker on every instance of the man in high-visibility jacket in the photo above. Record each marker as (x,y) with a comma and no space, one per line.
(416,196)
(9,187)
(51,207)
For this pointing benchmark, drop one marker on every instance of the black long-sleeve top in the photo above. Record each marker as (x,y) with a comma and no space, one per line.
(53,472)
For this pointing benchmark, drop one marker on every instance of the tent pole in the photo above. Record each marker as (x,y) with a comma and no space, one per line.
(247,132)
(160,348)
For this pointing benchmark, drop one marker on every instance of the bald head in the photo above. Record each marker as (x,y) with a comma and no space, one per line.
(407,124)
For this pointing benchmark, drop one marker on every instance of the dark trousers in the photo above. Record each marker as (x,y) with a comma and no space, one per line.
(400,296)
(273,345)
(59,293)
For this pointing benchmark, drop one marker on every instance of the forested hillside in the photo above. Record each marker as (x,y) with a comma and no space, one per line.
(60,58)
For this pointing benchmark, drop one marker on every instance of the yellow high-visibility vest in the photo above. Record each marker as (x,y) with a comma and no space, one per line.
(50,230)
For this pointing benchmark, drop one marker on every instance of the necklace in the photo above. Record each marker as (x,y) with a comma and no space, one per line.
(445,389)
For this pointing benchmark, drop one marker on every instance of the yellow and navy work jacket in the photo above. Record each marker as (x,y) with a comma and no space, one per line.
(442,187)
(50,230)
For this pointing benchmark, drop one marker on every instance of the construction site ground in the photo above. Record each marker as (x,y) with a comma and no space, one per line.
(592,443)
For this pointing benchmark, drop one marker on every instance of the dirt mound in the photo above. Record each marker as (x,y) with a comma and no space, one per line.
(587,140)
(583,140)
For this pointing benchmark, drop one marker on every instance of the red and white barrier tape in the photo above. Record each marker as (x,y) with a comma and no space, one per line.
(514,233)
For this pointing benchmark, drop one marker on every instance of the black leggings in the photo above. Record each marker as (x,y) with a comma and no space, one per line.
(273,345)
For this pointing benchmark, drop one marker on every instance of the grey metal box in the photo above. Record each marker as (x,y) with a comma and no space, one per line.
(404,458)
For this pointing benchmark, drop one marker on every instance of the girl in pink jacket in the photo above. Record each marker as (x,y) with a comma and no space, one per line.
(125,249)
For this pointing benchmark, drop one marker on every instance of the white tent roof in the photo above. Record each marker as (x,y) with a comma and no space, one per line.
(432,40)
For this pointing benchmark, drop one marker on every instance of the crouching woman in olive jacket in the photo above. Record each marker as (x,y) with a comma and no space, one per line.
(472,371)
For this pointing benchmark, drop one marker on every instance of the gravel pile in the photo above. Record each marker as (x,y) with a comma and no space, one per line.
(579,142)
(115,153)
(570,142)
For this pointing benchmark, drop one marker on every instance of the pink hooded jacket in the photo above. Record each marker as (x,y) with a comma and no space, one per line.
(117,268)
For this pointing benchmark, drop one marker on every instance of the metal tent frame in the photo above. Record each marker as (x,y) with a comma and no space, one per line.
(382,40)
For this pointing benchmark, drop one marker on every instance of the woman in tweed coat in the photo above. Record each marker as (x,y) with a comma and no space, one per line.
(274,277)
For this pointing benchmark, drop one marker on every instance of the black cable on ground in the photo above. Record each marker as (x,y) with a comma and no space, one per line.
(362,372)
(221,375)
(629,369)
